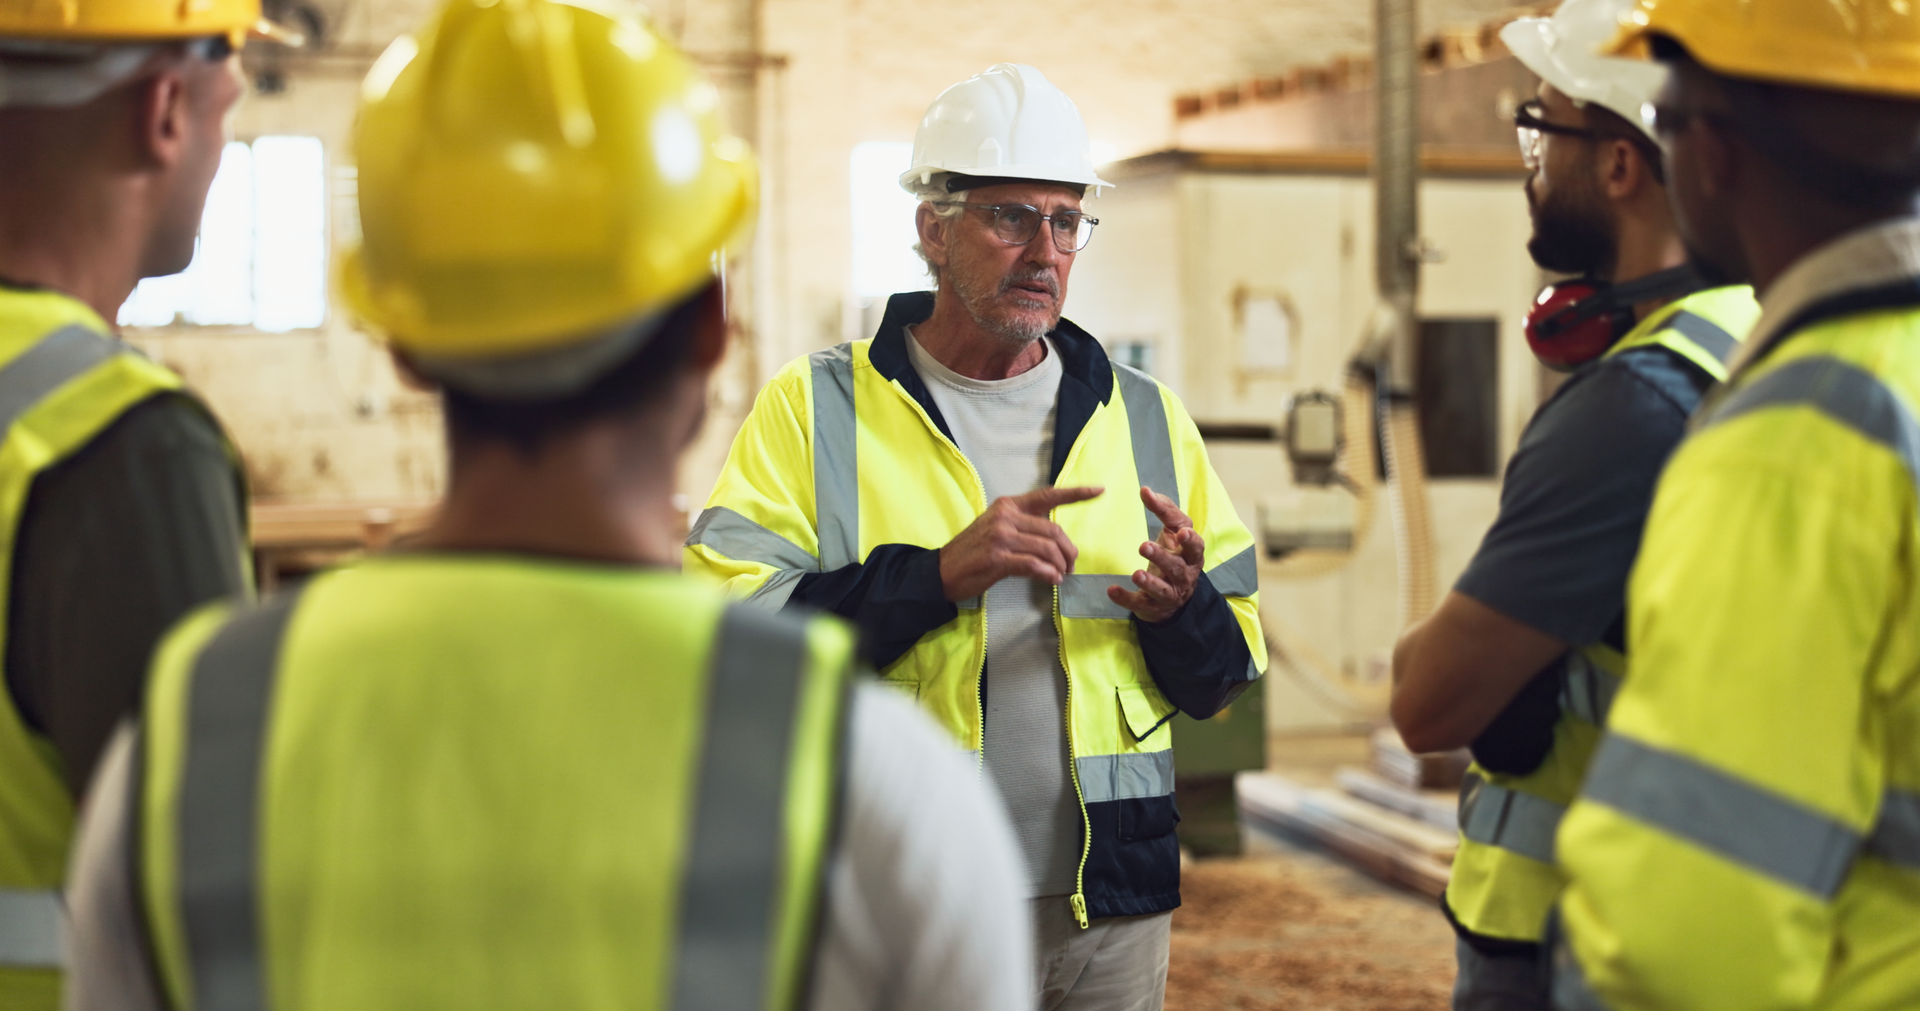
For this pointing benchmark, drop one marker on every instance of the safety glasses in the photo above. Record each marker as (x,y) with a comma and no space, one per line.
(1017,224)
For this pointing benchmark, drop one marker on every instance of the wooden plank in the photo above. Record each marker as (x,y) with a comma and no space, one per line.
(1271,800)
(1438,808)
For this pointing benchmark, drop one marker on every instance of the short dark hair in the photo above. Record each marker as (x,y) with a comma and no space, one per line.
(626,388)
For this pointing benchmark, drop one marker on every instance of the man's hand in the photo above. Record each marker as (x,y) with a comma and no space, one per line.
(1012,538)
(1174,563)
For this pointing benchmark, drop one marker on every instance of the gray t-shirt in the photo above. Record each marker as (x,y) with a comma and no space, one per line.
(1005,428)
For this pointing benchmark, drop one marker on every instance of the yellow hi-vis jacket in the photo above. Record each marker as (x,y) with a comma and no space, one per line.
(1504,879)
(472,782)
(843,483)
(63,380)
(1748,836)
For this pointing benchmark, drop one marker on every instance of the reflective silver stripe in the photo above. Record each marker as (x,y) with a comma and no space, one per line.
(1513,820)
(732,876)
(836,473)
(1728,817)
(774,593)
(1589,690)
(51,363)
(1152,440)
(228,703)
(1710,336)
(1085,596)
(32,929)
(1842,391)
(1125,777)
(1896,835)
(738,537)
(1238,576)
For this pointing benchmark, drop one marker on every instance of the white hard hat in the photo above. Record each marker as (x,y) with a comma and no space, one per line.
(1007,122)
(1564,51)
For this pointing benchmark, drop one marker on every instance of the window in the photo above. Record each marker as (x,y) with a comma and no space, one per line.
(261,259)
(1459,396)
(883,231)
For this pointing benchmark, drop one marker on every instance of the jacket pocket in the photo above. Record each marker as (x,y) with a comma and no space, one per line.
(1143,713)
(1143,818)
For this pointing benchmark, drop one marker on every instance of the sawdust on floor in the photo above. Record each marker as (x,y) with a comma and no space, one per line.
(1295,931)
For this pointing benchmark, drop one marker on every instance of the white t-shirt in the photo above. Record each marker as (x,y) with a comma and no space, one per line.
(925,907)
(1005,429)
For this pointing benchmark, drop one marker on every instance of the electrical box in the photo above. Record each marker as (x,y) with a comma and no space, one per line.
(1313,437)
(1306,518)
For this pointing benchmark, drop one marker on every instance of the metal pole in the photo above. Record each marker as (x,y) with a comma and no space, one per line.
(1397,255)
(1396,175)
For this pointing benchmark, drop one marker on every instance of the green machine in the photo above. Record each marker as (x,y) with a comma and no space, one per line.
(1206,754)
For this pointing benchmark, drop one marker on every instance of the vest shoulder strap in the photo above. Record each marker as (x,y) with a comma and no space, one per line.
(1686,328)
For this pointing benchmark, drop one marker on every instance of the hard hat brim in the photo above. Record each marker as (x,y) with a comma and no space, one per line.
(1040,174)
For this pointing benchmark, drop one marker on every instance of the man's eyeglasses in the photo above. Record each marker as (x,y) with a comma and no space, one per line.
(1017,224)
(1530,121)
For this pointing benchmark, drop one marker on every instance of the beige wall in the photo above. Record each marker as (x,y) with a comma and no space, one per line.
(1183,241)
(319,414)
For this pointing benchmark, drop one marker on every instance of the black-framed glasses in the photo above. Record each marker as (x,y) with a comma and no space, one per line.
(1017,224)
(1530,121)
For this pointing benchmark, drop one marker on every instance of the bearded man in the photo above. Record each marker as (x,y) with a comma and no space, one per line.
(1521,660)
(1029,534)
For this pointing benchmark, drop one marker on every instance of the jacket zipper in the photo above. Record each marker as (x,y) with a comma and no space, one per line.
(1079,898)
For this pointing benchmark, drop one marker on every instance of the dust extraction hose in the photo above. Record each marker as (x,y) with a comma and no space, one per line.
(1412,515)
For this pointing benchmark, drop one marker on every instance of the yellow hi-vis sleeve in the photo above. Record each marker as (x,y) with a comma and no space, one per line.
(757,535)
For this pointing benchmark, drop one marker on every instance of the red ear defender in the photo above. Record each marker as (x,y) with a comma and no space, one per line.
(1570,325)
(1575,322)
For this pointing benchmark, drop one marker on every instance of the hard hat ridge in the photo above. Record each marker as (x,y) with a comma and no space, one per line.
(1007,122)
(136,21)
(1868,46)
(536,175)
(1563,51)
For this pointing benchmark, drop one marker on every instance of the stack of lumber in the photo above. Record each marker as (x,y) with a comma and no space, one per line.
(1395,820)
(1391,759)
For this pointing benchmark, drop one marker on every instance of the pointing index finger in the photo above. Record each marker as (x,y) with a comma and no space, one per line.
(1042,500)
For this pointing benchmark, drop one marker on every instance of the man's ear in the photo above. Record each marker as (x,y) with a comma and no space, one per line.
(933,235)
(709,329)
(161,109)
(1622,168)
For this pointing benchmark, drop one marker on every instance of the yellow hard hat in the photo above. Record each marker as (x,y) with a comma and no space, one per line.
(534,172)
(1855,45)
(138,20)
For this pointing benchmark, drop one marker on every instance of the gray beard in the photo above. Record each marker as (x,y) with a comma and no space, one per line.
(1016,333)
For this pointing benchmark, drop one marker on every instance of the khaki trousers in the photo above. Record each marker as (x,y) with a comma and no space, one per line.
(1119,963)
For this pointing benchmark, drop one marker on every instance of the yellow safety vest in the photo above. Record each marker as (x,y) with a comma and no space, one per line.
(471,782)
(1504,878)
(837,459)
(1748,836)
(63,379)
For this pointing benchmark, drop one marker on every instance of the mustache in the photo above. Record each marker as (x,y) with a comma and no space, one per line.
(1037,275)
